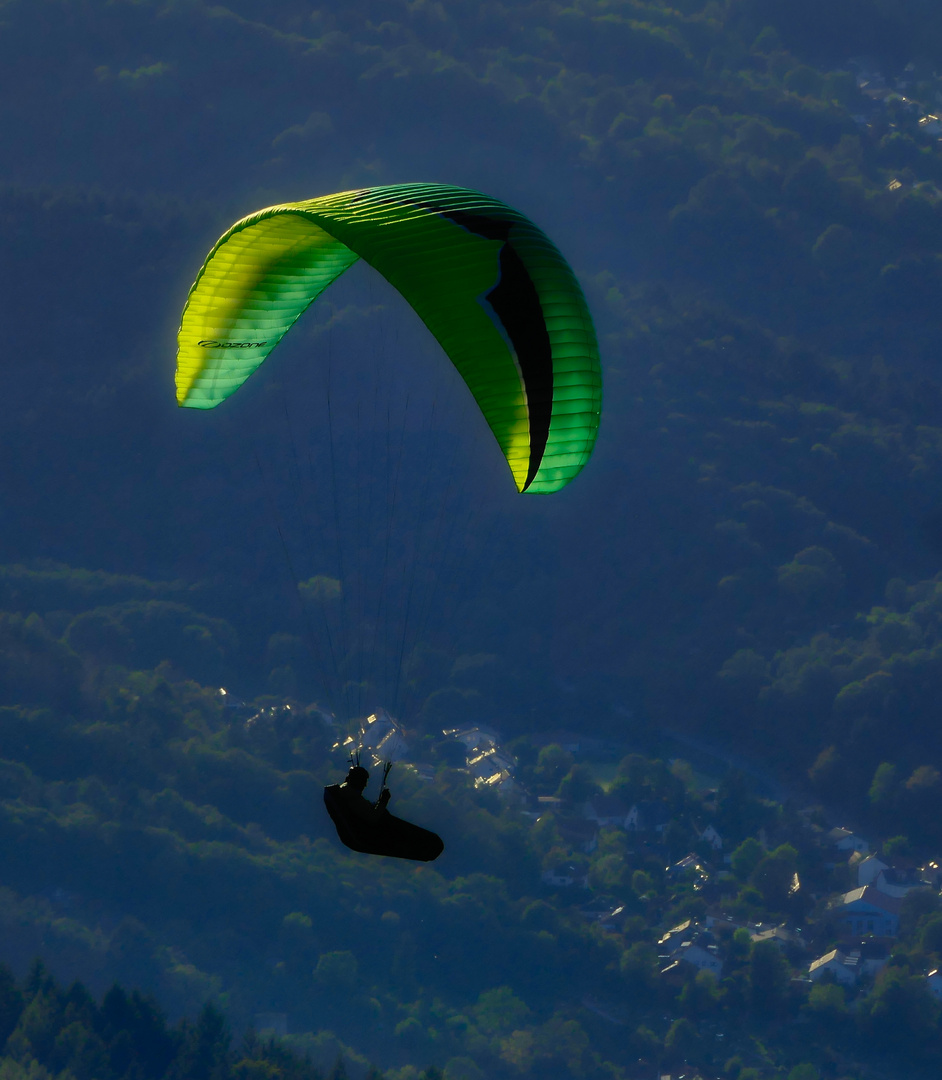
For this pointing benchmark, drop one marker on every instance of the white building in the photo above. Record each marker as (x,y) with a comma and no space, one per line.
(683,931)
(934,982)
(382,738)
(869,868)
(475,739)
(778,935)
(848,968)
(702,957)
(897,882)
(834,963)
(845,840)
(712,837)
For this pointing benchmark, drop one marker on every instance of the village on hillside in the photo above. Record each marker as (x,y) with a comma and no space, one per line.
(836,917)
(909,105)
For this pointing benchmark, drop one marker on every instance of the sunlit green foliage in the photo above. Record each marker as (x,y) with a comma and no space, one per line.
(765,270)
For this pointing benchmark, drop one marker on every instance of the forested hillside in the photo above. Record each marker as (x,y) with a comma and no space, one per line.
(751,194)
(154,835)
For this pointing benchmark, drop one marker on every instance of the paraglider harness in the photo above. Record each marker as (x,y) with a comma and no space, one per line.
(386,835)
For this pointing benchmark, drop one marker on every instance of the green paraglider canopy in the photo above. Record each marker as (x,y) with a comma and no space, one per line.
(490,286)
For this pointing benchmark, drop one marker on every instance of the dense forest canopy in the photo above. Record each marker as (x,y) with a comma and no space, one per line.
(751,195)
(752,202)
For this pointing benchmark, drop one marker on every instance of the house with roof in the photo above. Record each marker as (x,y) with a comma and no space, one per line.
(578,834)
(606,913)
(607,810)
(425,773)
(931,872)
(647,816)
(868,867)
(711,837)
(493,768)
(564,876)
(701,952)
(722,923)
(868,911)
(375,728)
(475,739)
(682,932)
(689,867)
(833,963)
(780,936)
(501,782)
(931,125)
(850,966)
(899,880)
(382,738)
(845,840)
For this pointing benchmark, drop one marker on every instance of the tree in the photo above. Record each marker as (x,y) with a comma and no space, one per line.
(337,971)
(609,874)
(917,905)
(411,1034)
(814,578)
(809,188)
(743,675)
(898,847)
(834,249)
(37,1028)
(738,812)
(924,793)
(740,945)
(805,1071)
(551,766)
(884,787)
(138,1031)
(560,1042)
(639,966)
(578,785)
(681,1041)
(80,1051)
(899,1012)
(768,978)
(746,858)
(204,1054)
(804,81)
(11,1003)
(339,1071)
(930,937)
(642,883)
(645,1043)
(827,1001)
(700,996)
(774,876)
(462,1068)
(825,768)
(500,1011)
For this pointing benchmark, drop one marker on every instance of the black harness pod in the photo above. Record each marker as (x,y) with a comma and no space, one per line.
(385,835)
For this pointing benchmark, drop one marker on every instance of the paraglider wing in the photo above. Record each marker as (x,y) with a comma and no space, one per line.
(490,286)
